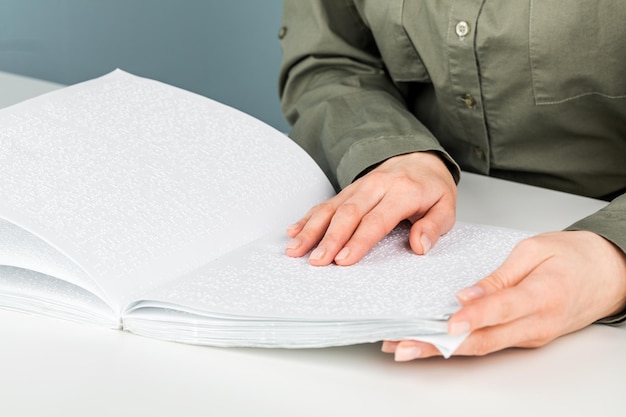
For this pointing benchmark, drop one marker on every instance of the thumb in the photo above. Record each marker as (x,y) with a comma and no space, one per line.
(426,231)
(522,260)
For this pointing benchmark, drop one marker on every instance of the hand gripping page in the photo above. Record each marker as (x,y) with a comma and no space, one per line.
(257,296)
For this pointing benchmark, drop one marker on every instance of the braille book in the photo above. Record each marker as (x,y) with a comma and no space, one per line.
(136,205)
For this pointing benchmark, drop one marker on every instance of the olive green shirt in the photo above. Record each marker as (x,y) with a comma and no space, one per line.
(527,90)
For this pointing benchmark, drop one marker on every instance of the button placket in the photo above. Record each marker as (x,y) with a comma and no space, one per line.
(465,85)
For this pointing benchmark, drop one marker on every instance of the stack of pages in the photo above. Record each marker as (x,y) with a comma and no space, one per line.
(132,204)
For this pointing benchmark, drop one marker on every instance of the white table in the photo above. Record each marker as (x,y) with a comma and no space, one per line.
(50,367)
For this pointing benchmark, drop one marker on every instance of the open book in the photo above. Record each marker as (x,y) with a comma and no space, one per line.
(132,204)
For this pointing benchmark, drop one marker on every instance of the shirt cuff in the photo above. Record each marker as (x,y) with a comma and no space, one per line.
(614,319)
(367,153)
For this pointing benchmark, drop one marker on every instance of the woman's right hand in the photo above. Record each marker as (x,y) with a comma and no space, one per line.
(416,186)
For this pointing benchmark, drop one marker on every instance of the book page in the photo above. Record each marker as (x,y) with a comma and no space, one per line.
(21,249)
(250,296)
(34,292)
(139,182)
(28,267)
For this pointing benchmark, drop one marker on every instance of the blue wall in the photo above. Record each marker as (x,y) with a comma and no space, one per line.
(224,49)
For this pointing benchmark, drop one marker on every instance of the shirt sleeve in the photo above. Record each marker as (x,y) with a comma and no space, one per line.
(336,92)
(610,223)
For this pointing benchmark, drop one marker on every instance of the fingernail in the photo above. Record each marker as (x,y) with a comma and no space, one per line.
(426,243)
(404,354)
(317,254)
(460,328)
(293,228)
(470,293)
(343,254)
(389,347)
(294,243)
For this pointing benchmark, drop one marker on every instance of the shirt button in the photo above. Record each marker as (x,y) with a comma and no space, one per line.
(462,29)
(282,32)
(480,152)
(468,100)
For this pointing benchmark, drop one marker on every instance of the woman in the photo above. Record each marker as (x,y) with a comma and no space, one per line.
(392,98)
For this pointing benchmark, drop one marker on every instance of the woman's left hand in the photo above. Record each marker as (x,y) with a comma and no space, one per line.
(550,285)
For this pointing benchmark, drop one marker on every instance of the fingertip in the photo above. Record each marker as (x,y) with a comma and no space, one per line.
(294,229)
(470,293)
(408,350)
(316,257)
(425,231)
(350,255)
(408,353)
(345,257)
(342,257)
(294,243)
(426,243)
(389,346)
(293,246)
(421,243)
(321,256)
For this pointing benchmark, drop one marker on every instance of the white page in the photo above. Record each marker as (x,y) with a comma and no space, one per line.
(33,292)
(28,267)
(390,288)
(21,249)
(138,181)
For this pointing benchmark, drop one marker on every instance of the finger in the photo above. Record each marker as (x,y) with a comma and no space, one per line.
(347,218)
(395,206)
(408,350)
(294,229)
(495,309)
(478,343)
(425,232)
(527,332)
(389,346)
(308,231)
(371,229)
(310,228)
(524,258)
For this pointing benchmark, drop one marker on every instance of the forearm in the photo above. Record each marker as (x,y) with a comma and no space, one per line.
(335,91)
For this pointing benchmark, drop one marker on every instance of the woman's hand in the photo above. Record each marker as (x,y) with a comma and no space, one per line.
(416,186)
(550,285)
